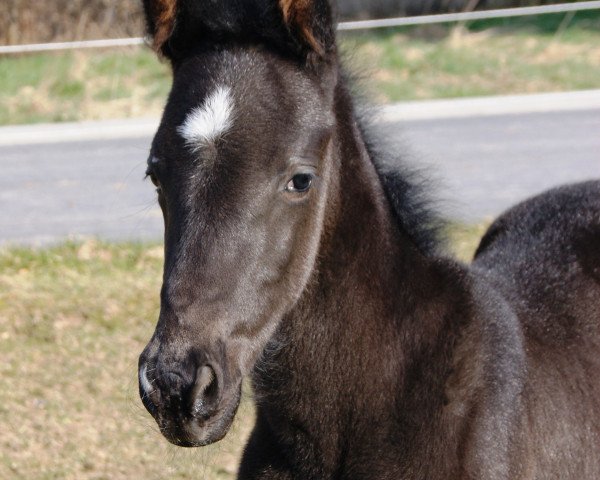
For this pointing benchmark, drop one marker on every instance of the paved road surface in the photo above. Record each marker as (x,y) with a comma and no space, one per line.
(481,165)
(53,191)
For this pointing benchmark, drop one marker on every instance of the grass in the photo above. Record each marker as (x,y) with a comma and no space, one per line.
(540,54)
(535,54)
(73,319)
(80,86)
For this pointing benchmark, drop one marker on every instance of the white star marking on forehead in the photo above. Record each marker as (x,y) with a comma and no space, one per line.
(206,123)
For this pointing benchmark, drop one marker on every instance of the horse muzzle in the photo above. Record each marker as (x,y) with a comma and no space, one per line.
(194,403)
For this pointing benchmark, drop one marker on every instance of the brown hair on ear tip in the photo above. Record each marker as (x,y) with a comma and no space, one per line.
(297,14)
(164,21)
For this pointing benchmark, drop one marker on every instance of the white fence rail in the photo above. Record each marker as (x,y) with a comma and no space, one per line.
(469,16)
(344,26)
(46,47)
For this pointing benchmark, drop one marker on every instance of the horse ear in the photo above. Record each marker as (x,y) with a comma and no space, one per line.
(160,19)
(311,22)
(175,25)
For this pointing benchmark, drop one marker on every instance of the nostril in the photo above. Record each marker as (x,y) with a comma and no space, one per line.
(204,394)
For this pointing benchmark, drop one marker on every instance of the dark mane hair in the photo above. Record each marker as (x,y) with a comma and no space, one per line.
(407,188)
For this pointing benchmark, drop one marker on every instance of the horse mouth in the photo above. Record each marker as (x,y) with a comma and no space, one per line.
(189,431)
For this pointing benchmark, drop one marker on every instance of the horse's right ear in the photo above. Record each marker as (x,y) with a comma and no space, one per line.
(160,20)
(311,23)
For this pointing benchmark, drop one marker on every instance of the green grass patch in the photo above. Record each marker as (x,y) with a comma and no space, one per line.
(31,71)
(71,89)
(82,86)
(547,53)
(524,55)
(567,25)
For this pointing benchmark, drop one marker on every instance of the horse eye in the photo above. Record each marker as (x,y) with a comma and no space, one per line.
(299,183)
(150,174)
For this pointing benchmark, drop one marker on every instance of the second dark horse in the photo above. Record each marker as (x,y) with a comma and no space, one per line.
(292,256)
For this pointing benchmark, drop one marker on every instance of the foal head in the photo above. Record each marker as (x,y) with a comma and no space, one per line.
(242,163)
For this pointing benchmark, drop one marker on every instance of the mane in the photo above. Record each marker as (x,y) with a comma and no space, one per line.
(407,188)
(408,192)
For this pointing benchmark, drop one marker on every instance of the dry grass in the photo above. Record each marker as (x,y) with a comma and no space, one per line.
(82,86)
(73,320)
(460,62)
(32,21)
(464,239)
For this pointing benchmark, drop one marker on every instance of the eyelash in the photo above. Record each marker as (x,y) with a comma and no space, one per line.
(154,180)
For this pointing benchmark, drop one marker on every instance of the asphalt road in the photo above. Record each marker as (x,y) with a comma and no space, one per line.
(483,165)
(49,192)
(480,165)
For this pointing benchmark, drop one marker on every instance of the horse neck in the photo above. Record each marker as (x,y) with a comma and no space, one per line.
(344,346)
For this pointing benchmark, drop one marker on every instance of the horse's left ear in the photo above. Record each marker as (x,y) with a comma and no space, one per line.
(160,18)
(311,23)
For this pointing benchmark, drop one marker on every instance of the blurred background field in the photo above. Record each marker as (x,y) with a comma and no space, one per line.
(32,21)
(73,319)
(549,53)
